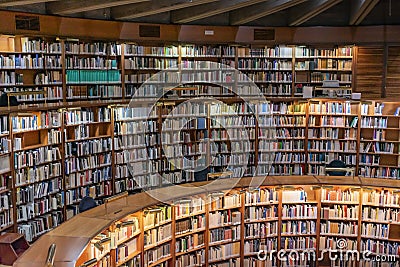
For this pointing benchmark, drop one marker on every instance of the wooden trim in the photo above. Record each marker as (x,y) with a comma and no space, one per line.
(56,26)
(385,70)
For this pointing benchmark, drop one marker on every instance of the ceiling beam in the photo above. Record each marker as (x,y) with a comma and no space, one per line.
(10,3)
(154,8)
(360,10)
(68,7)
(313,8)
(190,15)
(258,11)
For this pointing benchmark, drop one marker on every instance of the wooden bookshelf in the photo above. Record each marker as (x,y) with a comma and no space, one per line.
(114,231)
(96,135)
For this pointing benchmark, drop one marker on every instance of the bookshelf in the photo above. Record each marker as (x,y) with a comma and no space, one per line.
(135,146)
(271,68)
(88,151)
(379,214)
(184,140)
(92,70)
(260,225)
(281,132)
(93,147)
(158,231)
(93,150)
(340,217)
(298,225)
(6,186)
(38,178)
(31,67)
(233,137)
(83,70)
(140,63)
(287,213)
(332,134)
(379,140)
(224,227)
(190,231)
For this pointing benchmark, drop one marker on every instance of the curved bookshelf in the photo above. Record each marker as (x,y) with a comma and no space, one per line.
(116,236)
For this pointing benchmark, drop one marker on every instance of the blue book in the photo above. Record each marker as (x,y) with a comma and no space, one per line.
(201,123)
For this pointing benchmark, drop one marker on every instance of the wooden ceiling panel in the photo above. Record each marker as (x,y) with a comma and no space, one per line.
(193,14)
(247,15)
(11,3)
(312,9)
(360,9)
(156,7)
(68,7)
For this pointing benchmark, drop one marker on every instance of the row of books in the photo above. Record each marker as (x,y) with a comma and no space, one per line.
(40,225)
(92,63)
(231,233)
(339,228)
(94,91)
(157,235)
(157,80)
(282,121)
(191,259)
(264,64)
(74,196)
(370,160)
(277,51)
(158,253)
(380,172)
(381,198)
(143,63)
(32,210)
(261,230)
(195,223)
(93,76)
(21,62)
(339,195)
(87,162)
(35,121)
(38,190)
(340,212)
(29,45)
(305,211)
(377,214)
(332,133)
(298,228)
(200,50)
(225,217)
(346,51)
(265,76)
(139,50)
(31,158)
(210,76)
(88,147)
(302,243)
(224,251)
(93,48)
(88,177)
(6,218)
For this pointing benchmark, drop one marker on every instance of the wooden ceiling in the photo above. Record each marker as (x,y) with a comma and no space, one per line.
(273,13)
